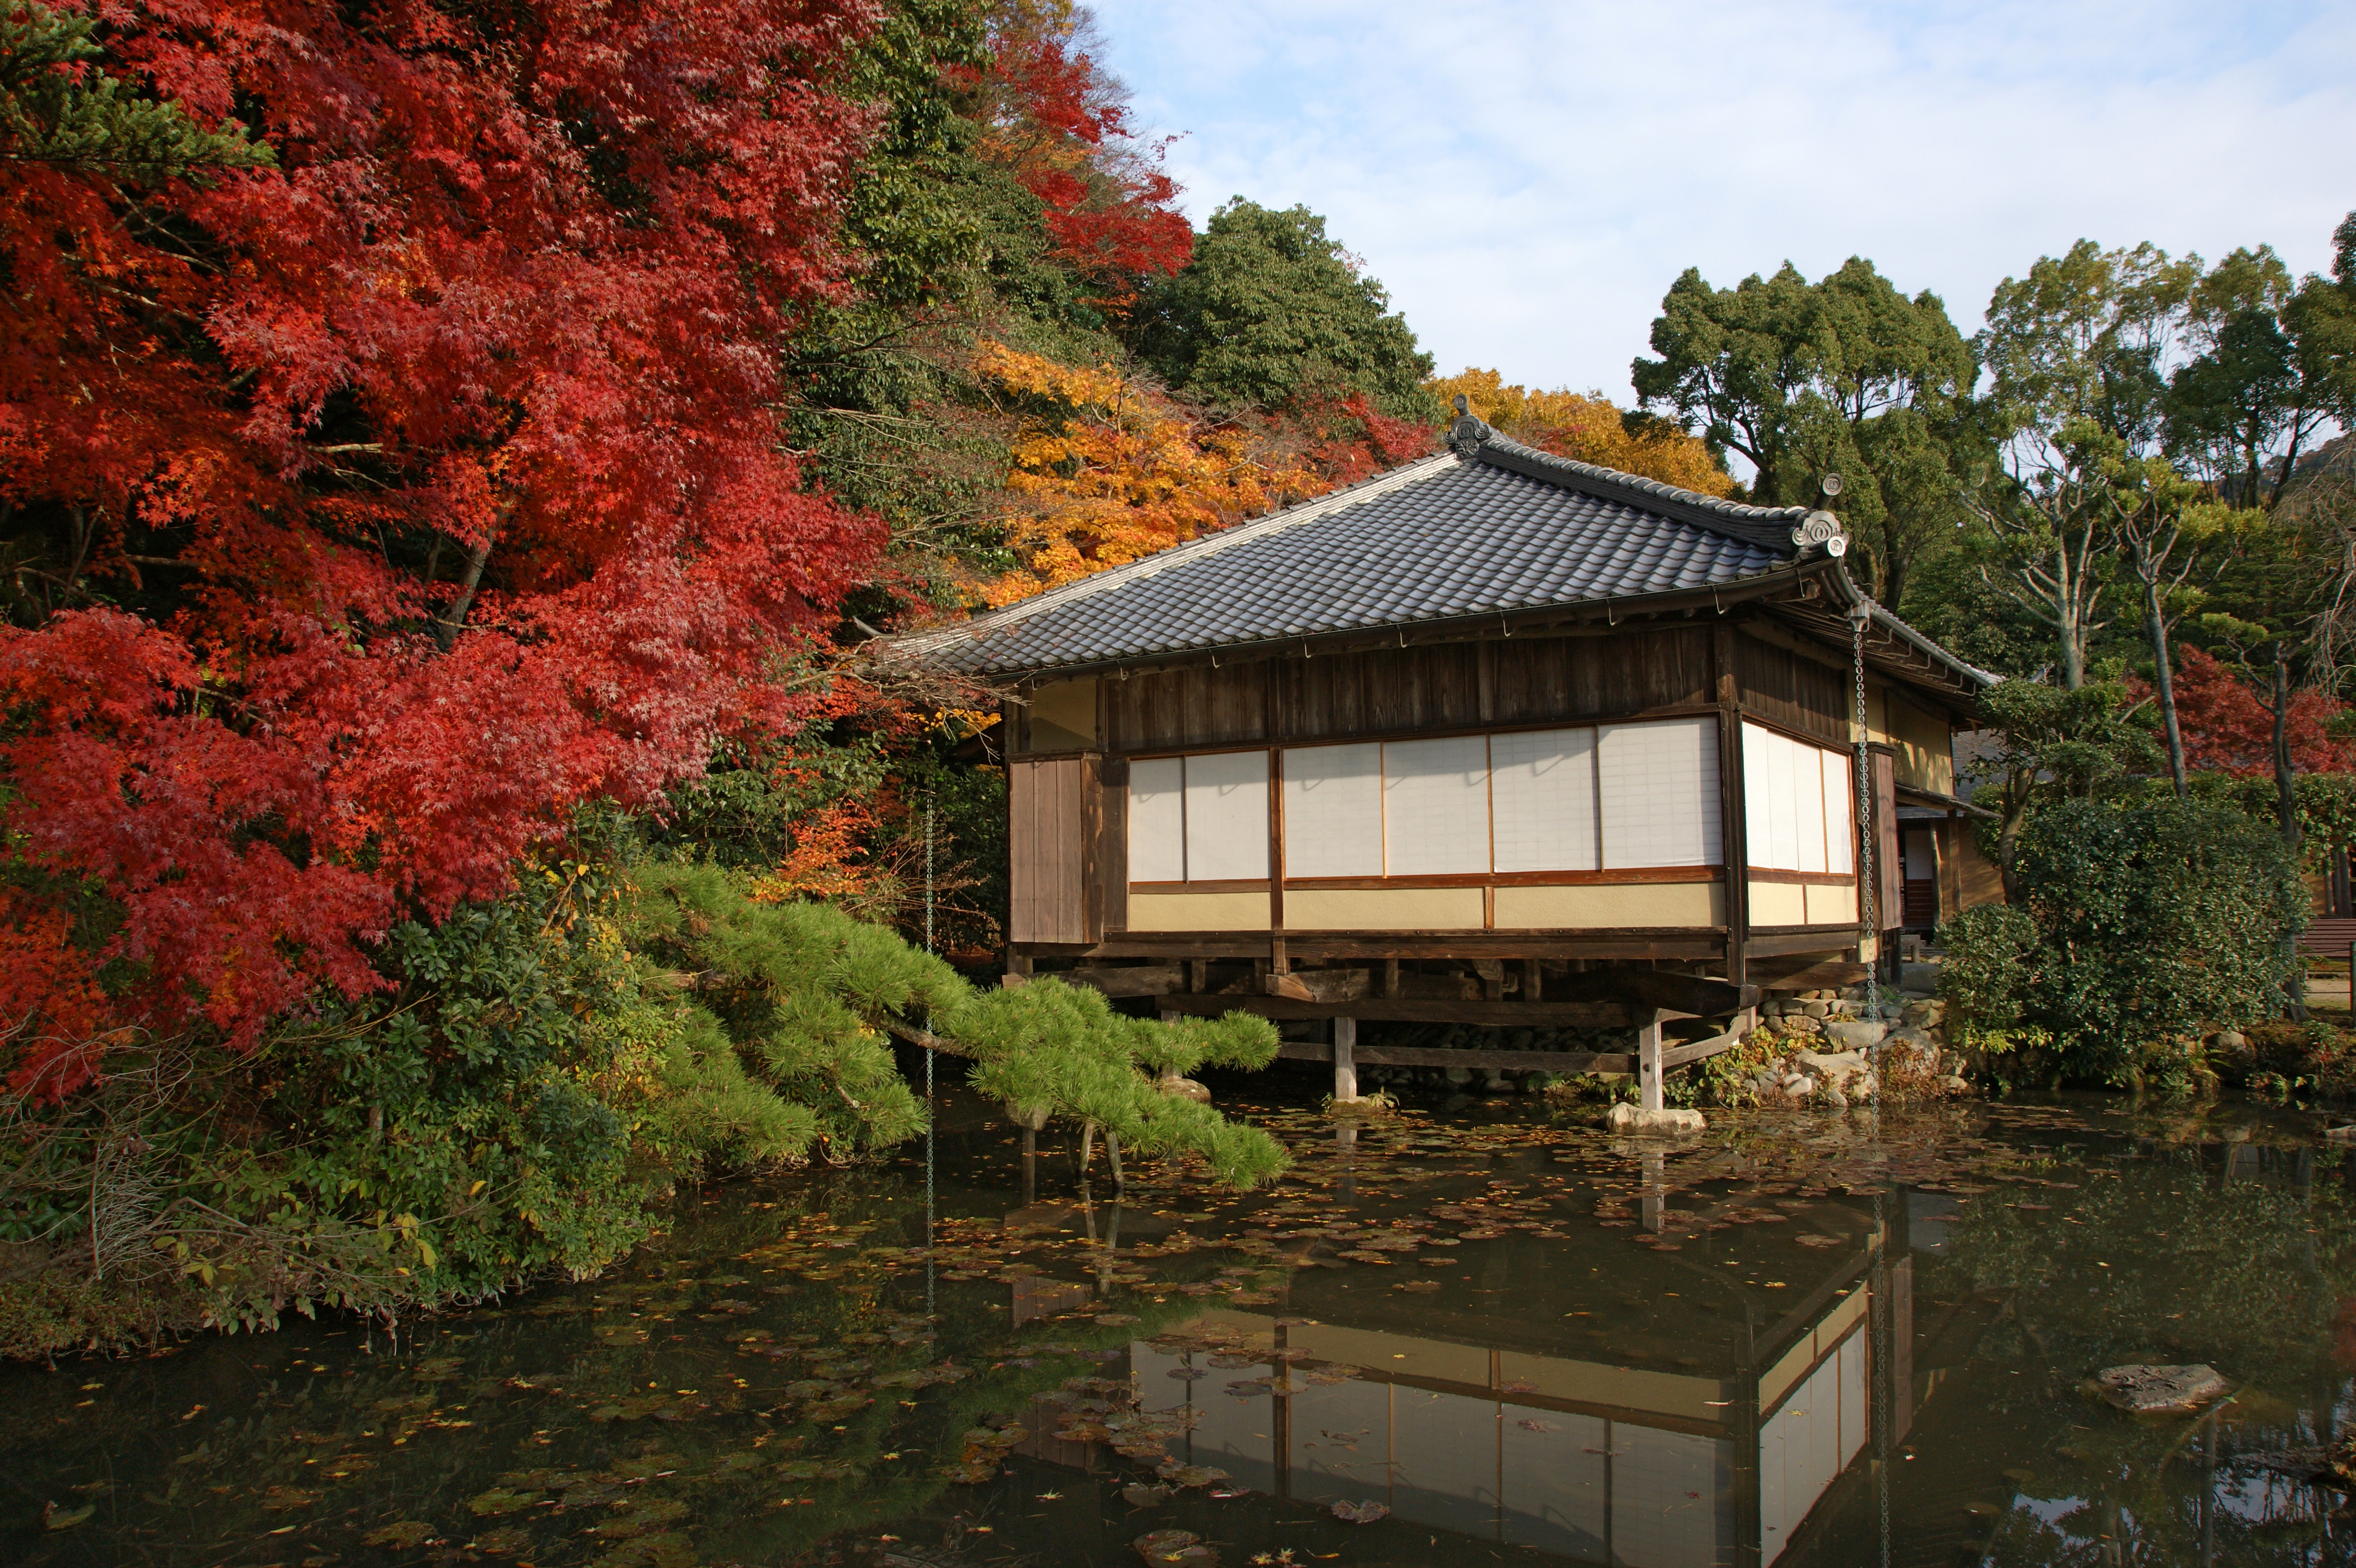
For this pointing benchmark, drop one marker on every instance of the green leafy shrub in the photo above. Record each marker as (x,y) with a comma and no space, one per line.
(2133,924)
(1991,953)
(539,1071)
(1061,1049)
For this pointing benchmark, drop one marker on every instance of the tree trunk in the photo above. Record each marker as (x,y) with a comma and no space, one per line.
(2286,796)
(2071,624)
(446,634)
(2007,840)
(2163,682)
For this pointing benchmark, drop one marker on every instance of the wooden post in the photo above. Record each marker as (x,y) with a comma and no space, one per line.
(1345,1070)
(1390,977)
(1733,810)
(1648,1065)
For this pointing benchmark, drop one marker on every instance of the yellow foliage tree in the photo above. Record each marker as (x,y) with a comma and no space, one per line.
(1107,470)
(1590,430)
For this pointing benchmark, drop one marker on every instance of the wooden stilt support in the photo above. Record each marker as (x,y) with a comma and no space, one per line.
(1345,1069)
(1648,1065)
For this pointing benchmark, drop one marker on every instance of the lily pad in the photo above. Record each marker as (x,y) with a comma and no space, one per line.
(1360,1513)
(1190,1475)
(1179,1546)
(500,1500)
(406,1533)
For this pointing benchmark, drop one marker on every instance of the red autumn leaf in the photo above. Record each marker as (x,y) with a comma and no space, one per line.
(433,473)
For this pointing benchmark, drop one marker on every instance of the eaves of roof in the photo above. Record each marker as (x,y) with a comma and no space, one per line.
(1432,550)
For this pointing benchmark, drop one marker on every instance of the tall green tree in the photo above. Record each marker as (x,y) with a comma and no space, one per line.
(1845,375)
(1273,309)
(2242,410)
(2077,355)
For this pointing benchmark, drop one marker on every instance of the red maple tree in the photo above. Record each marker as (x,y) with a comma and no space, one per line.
(1061,126)
(385,504)
(2228,730)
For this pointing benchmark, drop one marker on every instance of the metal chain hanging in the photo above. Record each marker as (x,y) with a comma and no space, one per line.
(1884,1324)
(931,1113)
(1868,929)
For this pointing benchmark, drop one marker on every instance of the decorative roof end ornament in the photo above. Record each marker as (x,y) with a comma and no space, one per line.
(1821,528)
(1467,433)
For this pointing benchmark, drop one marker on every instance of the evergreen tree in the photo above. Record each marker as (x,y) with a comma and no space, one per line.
(1846,376)
(57,108)
(1272,310)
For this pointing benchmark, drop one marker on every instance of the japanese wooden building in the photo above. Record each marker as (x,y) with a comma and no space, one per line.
(1493,737)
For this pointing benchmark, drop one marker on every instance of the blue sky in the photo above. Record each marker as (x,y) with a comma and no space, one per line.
(1528,178)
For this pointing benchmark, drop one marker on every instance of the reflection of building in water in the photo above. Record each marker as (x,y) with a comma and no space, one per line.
(1579,1459)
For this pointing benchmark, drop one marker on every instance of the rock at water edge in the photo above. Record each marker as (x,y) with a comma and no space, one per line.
(2147,1390)
(1628,1118)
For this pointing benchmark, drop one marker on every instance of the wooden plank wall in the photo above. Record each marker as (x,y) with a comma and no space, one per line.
(1797,693)
(1050,822)
(1889,870)
(1523,680)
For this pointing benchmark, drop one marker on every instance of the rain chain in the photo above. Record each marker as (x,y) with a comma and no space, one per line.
(1868,929)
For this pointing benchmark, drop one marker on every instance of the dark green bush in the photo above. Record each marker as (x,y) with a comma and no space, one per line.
(2134,924)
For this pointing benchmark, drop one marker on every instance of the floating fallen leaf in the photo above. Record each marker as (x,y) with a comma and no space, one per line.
(1174,1546)
(56,1517)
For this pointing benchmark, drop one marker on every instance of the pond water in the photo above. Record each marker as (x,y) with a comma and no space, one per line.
(1485,1334)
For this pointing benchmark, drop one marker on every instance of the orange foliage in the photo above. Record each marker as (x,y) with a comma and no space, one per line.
(1588,429)
(1109,472)
(829,856)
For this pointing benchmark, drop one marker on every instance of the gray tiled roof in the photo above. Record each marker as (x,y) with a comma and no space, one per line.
(1493,527)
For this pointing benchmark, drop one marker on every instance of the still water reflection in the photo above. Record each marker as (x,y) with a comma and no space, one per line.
(1481,1336)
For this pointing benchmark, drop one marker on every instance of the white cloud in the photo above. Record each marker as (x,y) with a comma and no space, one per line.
(1528,178)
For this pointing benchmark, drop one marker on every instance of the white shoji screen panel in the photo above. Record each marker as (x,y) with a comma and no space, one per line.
(1542,800)
(1840,813)
(1227,816)
(1333,811)
(1657,788)
(1798,804)
(1157,820)
(1436,806)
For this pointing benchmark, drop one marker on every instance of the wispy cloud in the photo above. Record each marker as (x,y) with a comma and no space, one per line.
(1530,177)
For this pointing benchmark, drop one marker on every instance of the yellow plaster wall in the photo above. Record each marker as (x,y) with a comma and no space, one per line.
(1607,903)
(1063,716)
(1177,911)
(1383,909)
(1778,904)
(1922,750)
(1831,906)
